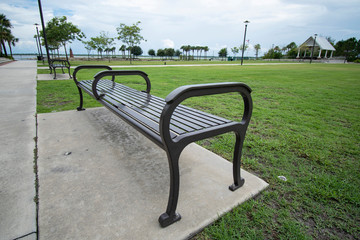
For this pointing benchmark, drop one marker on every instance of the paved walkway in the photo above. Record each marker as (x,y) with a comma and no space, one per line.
(17,131)
(101,179)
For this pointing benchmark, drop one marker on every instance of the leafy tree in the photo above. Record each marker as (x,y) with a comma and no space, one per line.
(130,35)
(291,50)
(274,53)
(257,48)
(245,48)
(291,45)
(235,50)
(177,53)
(89,45)
(151,52)
(292,53)
(169,52)
(160,53)
(136,51)
(102,43)
(223,53)
(277,49)
(59,32)
(348,48)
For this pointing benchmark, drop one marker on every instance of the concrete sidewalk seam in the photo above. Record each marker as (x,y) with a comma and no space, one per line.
(36,172)
(23,236)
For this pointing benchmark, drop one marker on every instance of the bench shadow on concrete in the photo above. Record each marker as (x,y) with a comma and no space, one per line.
(101,179)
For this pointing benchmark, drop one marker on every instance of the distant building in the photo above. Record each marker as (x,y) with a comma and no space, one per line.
(320,42)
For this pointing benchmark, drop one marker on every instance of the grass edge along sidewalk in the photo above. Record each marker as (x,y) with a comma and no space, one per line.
(304,127)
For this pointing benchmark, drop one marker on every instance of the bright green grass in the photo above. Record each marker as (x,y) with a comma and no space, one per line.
(155,62)
(305,126)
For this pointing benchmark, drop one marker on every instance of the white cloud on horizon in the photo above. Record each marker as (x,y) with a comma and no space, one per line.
(168,43)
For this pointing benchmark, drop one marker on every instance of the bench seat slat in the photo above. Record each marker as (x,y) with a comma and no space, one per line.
(189,125)
(157,106)
(149,112)
(200,118)
(146,109)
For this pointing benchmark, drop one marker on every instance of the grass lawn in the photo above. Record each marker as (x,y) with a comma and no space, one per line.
(305,126)
(154,62)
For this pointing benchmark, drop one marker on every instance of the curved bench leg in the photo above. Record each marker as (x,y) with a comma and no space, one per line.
(238,180)
(54,73)
(171,216)
(80,107)
(69,72)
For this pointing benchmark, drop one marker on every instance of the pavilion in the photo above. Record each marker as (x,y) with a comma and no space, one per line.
(320,42)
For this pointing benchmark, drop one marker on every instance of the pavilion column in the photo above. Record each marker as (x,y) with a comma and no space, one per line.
(320,53)
(331,54)
(298,55)
(326,53)
(305,53)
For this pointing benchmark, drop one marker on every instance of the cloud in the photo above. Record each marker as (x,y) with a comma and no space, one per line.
(212,23)
(168,43)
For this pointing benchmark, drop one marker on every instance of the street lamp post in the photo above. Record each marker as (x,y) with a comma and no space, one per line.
(312,50)
(37,45)
(43,27)
(243,49)
(39,42)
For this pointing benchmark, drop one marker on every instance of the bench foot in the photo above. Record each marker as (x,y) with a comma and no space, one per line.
(166,220)
(234,187)
(80,109)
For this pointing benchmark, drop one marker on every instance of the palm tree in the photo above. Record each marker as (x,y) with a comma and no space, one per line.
(257,48)
(192,48)
(206,49)
(123,49)
(197,48)
(11,41)
(5,32)
(186,48)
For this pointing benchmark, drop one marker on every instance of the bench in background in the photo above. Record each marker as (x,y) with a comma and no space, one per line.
(59,63)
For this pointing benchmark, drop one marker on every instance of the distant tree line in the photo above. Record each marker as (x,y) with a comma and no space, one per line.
(350,49)
(60,33)
(187,49)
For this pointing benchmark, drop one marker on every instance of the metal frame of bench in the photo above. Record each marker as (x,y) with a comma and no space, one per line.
(61,64)
(166,122)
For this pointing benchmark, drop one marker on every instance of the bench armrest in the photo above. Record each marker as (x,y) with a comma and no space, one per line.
(187,91)
(88,67)
(114,73)
(205,89)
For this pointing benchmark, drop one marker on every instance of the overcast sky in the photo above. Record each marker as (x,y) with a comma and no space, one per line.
(212,23)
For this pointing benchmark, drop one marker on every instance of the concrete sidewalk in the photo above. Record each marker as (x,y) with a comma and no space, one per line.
(17,131)
(101,179)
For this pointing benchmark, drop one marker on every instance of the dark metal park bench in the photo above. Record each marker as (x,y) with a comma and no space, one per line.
(59,63)
(167,123)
